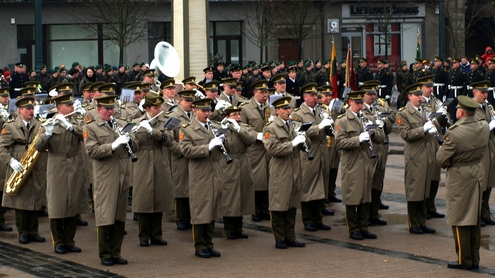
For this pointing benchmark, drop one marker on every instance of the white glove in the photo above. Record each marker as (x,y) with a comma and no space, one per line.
(141,105)
(122,140)
(221,105)
(444,98)
(365,136)
(49,130)
(492,124)
(235,125)
(432,131)
(4,113)
(380,123)
(442,110)
(36,111)
(199,94)
(146,125)
(271,118)
(325,123)
(259,136)
(63,121)
(16,165)
(81,111)
(77,104)
(427,126)
(217,141)
(387,97)
(298,140)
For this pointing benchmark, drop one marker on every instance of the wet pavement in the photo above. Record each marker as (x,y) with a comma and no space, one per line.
(396,252)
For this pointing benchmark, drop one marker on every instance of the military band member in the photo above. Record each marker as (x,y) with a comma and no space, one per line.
(4,117)
(199,144)
(461,154)
(227,98)
(149,78)
(16,136)
(151,172)
(357,172)
(256,113)
(66,190)
(238,188)
(313,172)
(129,109)
(189,83)
(112,166)
(283,145)
(372,107)
(432,106)
(169,95)
(179,164)
(480,92)
(419,152)
(280,85)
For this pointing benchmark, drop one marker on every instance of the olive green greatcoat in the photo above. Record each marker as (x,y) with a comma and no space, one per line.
(419,153)
(313,172)
(180,169)
(355,158)
(66,191)
(284,189)
(488,160)
(205,172)
(238,189)
(152,189)
(253,115)
(461,153)
(112,170)
(15,139)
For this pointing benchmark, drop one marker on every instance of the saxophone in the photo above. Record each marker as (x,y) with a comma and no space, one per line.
(28,161)
(267,112)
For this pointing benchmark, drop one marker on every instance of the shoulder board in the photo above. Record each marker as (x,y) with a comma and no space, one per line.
(246,125)
(169,112)
(382,101)
(243,103)
(85,104)
(267,124)
(297,109)
(123,119)
(340,116)
(92,120)
(217,122)
(79,117)
(90,108)
(402,108)
(452,127)
(185,125)
(10,120)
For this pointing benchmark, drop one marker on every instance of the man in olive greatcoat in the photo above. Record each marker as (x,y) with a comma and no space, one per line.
(461,153)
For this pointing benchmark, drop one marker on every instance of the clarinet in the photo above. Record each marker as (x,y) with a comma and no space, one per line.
(439,138)
(377,115)
(372,152)
(304,146)
(228,160)
(127,146)
(490,109)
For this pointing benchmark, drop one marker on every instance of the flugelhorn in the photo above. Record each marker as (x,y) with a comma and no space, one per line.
(127,146)
(228,160)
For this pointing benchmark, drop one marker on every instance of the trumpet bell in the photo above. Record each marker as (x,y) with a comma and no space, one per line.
(166,59)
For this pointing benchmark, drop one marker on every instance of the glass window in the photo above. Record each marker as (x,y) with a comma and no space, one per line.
(157,32)
(110,52)
(67,52)
(227,28)
(71,32)
(25,32)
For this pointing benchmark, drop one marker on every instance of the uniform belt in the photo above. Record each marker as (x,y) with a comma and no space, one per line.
(297,97)
(360,83)
(382,86)
(438,84)
(17,89)
(67,155)
(455,87)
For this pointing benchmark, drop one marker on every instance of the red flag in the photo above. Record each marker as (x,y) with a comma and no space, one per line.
(350,76)
(334,77)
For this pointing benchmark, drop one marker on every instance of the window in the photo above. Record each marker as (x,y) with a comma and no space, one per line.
(157,32)
(225,42)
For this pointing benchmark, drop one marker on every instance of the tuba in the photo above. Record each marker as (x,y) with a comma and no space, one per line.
(28,161)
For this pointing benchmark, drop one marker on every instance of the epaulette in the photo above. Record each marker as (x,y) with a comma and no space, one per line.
(246,125)
(297,109)
(85,104)
(402,108)
(79,116)
(243,103)
(123,119)
(452,127)
(340,116)
(10,120)
(169,112)
(89,121)
(90,108)
(185,125)
(267,124)
(217,122)
(382,101)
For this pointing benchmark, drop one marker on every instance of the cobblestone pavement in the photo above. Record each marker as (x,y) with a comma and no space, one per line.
(396,253)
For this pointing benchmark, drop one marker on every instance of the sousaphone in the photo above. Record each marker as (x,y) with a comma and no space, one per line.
(166,59)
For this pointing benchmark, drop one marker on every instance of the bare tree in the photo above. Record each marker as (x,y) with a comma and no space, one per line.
(124,21)
(259,21)
(299,17)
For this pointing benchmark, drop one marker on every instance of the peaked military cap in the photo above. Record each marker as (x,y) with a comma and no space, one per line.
(187,94)
(357,96)
(426,80)
(64,99)
(260,85)
(211,86)
(309,88)
(231,109)
(65,87)
(169,83)
(108,88)
(283,102)
(153,100)
(190,80)
(106,101)
(203,104)
(481,85)
(279,78)
(467,103)
(4,91)
(25,101)
(415,89)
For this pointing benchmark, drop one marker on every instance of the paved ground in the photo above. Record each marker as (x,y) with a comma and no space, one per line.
(395,253)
